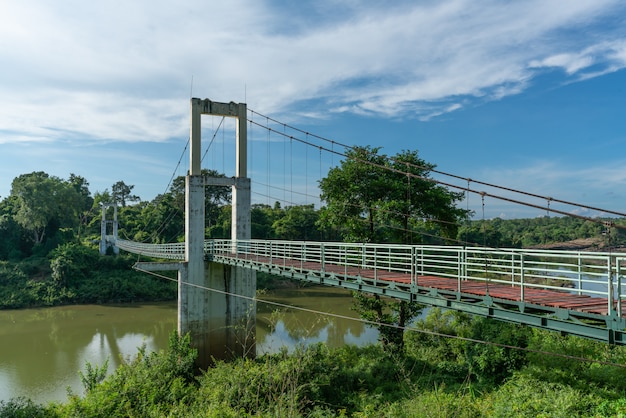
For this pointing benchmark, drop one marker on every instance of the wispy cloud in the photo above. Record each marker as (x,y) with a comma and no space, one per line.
(598,186)
(123,72)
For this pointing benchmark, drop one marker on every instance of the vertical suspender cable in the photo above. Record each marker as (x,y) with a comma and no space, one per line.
(291,169)
(467,219)
(485,244)
(268,162)
(306,172)
(284,166)
(320,178)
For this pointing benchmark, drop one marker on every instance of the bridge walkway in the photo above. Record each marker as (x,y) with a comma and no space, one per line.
(465,289)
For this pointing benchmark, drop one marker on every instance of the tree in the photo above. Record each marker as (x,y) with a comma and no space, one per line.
(298,223)
(162,220)
(121,193)
(372,198)
(44,202)
(352,193)
(14,241)
(81,186)
(214,198)
(393,315)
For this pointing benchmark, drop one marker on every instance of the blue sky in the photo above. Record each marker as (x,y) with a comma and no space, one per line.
(524,94)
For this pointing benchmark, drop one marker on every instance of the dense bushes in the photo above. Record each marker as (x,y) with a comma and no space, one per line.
(153,384)
(73,273)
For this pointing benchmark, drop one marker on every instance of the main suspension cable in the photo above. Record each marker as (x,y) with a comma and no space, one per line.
(443,173)
(455,186)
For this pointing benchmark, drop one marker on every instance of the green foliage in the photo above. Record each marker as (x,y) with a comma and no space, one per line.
(489,363)
(370,198)
(298,223)
(431,344)
(393,317)
(44,204)
(438,402)
(314,381)
(150,385)
(93,375)
(14,242)
(24,408)
(524,233)
(572,371)
(122,193)
(524,396)
(72,263)
(74,273)
(495,362)
(25,285)
(612,408)
(320,382)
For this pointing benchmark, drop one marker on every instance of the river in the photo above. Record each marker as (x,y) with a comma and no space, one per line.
(42,350)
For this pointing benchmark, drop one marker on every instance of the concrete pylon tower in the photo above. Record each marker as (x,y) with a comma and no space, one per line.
(104,237)
(221,321)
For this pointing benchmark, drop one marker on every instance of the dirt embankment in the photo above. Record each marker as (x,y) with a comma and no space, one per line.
(583,244)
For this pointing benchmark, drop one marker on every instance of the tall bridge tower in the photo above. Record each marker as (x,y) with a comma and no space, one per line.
(105,244)
(221,322)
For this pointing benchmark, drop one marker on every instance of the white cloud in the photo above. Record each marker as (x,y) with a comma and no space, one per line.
(123,70)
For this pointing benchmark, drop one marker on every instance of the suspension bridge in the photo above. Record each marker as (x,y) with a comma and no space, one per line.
(573,292)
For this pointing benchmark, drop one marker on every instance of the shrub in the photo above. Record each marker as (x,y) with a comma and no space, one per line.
(150,385)
(23,408)
(525,396)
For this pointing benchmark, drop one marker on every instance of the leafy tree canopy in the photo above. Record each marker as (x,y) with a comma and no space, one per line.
(44,202)
(122,193)
(373,198)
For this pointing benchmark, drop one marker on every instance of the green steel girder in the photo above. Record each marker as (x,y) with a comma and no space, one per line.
(597,327)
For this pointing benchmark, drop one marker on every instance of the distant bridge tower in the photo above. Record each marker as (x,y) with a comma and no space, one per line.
(221,323)
(105,243)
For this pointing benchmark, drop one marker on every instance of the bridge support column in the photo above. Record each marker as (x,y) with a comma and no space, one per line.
(105,243)
(231,319)
(192,298)
(216,302)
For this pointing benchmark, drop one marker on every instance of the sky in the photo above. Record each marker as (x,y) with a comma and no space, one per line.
(528,94)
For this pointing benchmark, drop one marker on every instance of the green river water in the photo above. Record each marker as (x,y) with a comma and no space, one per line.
(42,350)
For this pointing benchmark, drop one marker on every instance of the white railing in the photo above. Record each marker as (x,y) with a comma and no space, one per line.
(595,274)
(173,251)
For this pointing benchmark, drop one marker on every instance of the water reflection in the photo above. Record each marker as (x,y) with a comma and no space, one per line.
(42,350)
(279,327)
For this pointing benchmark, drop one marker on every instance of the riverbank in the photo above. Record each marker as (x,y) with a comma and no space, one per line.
(583,244)
(76,274)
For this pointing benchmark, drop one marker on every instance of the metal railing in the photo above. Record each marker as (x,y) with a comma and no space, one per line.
(595,274)
(173,251)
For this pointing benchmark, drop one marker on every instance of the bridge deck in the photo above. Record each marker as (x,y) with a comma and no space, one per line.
(563,299)
(578,293)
